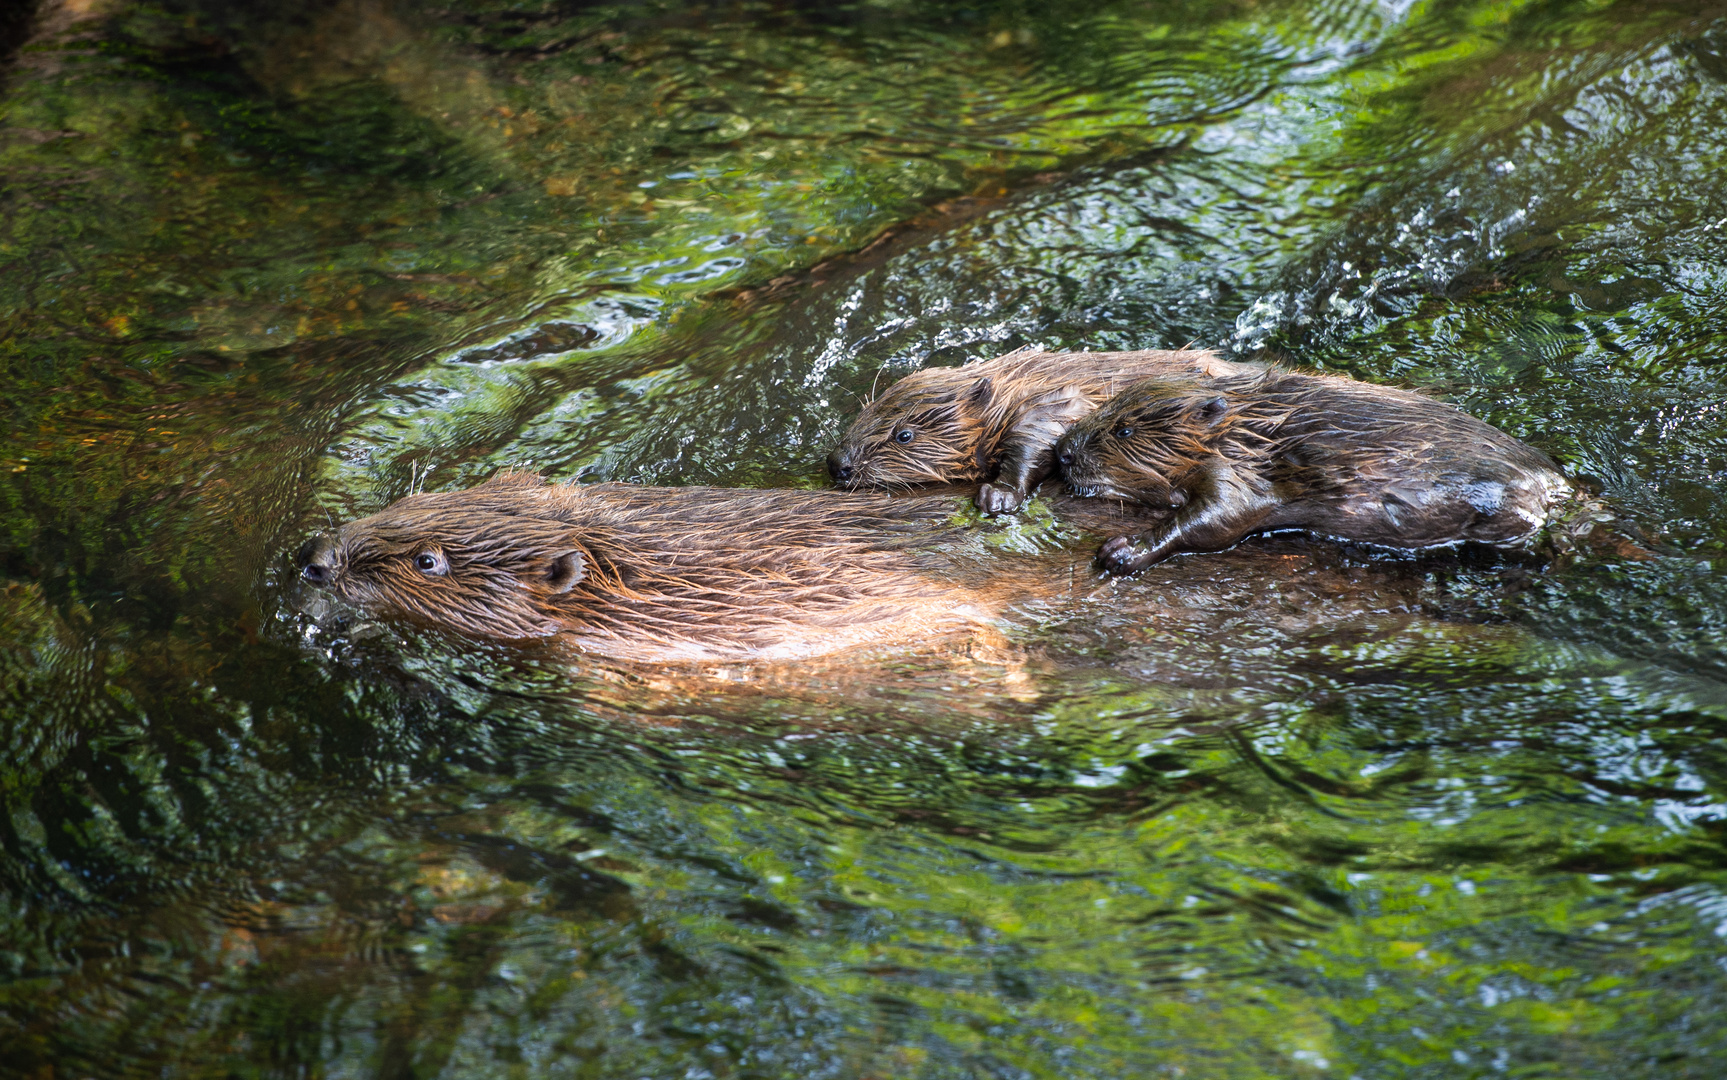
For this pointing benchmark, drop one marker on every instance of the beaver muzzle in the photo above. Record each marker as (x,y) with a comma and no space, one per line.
(840,467)
(1084,475)
(1075,464)
(318,560)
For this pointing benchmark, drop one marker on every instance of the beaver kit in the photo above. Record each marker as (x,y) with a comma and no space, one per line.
(997,421)
(645,573)
(1320,453)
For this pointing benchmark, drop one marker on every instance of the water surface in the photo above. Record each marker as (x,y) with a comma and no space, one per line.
(1288,811)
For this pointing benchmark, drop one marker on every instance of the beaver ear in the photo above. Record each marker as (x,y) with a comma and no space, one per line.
(1211,410)
(566,570)
(976,398)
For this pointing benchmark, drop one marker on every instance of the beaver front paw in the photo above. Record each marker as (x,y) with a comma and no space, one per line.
(1121,556)
(998,499)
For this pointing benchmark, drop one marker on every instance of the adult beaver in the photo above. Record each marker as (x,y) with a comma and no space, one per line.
(997,421)
(1321,453)
(644,573)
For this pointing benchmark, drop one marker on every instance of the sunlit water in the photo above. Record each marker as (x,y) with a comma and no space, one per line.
(1288,811)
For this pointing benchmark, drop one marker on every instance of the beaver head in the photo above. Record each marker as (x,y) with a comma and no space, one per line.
(1146,443)
(927,428)
(490,568)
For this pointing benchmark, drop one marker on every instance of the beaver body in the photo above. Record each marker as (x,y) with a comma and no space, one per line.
(997,421)
(1325,454)
(643,573)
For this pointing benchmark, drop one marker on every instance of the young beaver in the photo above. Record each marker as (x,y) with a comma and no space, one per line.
(996,421)
(1322,453)
(642,573)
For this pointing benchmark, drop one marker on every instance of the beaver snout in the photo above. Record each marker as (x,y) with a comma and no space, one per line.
(1071,450)
(317,560)
(839,468)
(1077,467)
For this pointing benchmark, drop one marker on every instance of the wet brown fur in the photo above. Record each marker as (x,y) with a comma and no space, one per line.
(1326,454)
(643,573)
(996,421)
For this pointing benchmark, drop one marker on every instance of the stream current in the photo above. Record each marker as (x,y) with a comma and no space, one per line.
(1293,810)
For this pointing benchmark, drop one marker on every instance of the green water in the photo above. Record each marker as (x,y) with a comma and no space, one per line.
(1284,812)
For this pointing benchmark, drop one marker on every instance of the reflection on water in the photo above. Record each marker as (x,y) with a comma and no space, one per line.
(1285,811)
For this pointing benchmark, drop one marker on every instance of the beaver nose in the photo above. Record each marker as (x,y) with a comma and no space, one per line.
(317,565)
(839,468)
(1066,454)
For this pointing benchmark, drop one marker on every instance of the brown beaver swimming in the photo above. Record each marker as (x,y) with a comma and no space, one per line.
(644,573)
(1320,453)
(997,421)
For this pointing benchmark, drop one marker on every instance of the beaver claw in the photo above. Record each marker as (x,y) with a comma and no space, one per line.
(998,499)
(1121,556)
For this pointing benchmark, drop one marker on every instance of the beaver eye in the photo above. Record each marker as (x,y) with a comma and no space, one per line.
(905,435)
(432,563)
(1124,433)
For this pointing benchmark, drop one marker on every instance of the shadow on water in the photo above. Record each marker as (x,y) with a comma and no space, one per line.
(1290,810)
